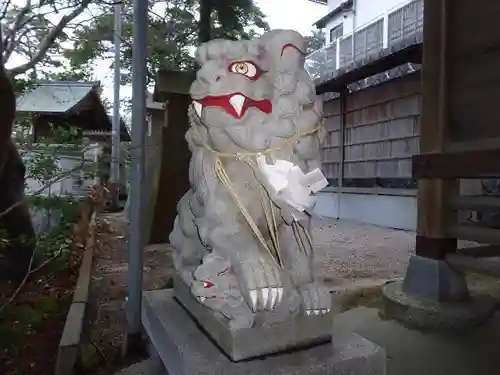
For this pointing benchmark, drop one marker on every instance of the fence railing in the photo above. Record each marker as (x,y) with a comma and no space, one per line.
(387,31)
(75,169)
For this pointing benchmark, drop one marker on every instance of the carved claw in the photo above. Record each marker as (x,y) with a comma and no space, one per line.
(265,298)
(262,279)
(316,299)
(317,312)
(274,297)
(253,299)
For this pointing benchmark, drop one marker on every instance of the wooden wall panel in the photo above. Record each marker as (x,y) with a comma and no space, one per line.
(330,153)
(382,129)
(473,70)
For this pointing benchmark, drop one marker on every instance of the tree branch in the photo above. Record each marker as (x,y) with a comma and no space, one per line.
(5,9)
(18,23)
(49,40)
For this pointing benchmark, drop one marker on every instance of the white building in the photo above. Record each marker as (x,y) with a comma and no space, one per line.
(372,49)
(376,25)
(344,16)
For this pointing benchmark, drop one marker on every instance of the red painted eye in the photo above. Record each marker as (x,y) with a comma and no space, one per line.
(246,68)
(207,284)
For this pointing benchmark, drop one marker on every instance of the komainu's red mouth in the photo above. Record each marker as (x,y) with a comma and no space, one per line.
(235,104)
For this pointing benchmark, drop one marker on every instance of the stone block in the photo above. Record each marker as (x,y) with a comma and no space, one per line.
(434,280)
(247,343)
(418,312)
(185,349)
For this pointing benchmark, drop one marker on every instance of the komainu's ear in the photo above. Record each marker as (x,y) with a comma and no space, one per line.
(285,46)
(7,100)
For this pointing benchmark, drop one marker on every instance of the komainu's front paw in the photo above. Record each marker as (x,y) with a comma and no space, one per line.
(316,299)
(261,283)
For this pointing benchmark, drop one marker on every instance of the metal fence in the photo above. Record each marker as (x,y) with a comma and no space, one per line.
(387,31)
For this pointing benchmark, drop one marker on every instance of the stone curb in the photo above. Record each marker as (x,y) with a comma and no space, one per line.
(415,312)
(71,336)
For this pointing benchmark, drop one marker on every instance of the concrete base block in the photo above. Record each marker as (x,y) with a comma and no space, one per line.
(185,349)
(415,311)
(246,343)
(435,296)
(150,366)
(434,280)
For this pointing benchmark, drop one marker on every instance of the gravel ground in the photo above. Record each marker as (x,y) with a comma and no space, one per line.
(106,321)
(348,253)
(349,257)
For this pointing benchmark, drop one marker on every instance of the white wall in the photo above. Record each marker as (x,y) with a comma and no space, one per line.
(332,4)
(345,18)
(67,185)
(366,12)
(390,211)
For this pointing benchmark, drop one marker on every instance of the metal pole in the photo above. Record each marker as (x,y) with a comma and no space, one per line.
(343,101)
(139,129)
(353,41)
(115,145)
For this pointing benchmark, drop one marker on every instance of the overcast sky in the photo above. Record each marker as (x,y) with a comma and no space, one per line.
(300,16)
(280,14)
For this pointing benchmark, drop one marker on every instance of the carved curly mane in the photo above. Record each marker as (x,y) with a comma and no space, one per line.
(299,115)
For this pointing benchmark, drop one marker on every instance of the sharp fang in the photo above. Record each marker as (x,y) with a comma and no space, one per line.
(237,102)
(197,107)
(202,299)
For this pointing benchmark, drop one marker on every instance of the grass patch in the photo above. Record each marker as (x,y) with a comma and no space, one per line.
(367,297)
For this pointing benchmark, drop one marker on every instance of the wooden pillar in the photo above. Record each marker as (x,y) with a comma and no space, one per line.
(41,127)
(173,89)
(433,215)
(343,115)
(154,152)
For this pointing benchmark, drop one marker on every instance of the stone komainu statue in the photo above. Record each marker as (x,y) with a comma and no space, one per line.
(242,241)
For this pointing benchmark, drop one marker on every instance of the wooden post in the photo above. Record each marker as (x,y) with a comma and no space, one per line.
(433,214)
(173,182)
(343,114)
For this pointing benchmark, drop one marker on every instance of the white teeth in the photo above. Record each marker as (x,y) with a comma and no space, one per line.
(202,299)
(237,102)
(197,107)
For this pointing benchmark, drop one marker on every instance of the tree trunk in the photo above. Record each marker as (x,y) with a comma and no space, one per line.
(205,24)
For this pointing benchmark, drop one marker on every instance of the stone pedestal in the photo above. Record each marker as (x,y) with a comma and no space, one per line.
(435,296)
(246,343)
(185,349)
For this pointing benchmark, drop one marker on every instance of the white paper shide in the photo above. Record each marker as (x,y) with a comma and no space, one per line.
(291,184)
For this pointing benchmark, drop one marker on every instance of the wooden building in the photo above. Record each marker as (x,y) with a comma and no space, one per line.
(459,132)
(372,86)
(68,104)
